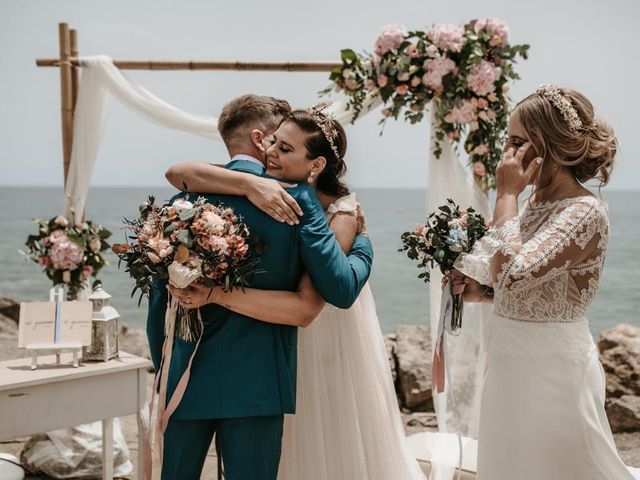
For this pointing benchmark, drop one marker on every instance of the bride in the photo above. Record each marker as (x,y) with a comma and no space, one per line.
(347,423)
(542,407)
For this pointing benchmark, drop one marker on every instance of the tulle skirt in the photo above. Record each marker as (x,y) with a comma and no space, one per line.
(542,411)
(347,424)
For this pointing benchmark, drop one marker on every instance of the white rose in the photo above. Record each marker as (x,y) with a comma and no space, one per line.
(182,204)
(62,221)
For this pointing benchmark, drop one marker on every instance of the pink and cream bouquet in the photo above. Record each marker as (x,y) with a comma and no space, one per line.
(187,241)
(462,72)
(70,253)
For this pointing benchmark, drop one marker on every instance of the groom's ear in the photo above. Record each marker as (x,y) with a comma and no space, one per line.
(257,139)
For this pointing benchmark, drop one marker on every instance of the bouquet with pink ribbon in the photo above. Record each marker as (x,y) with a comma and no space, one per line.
(447,233)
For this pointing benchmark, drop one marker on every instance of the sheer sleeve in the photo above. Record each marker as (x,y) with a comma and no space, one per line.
(576,234)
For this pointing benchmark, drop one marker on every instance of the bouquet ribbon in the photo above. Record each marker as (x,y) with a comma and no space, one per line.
(153,441)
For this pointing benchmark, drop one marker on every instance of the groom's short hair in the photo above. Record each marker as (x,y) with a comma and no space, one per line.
(249,112)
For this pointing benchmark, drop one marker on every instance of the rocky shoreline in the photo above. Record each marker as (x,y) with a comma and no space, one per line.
(411,368)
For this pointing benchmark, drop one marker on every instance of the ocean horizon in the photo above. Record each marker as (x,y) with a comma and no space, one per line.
(401,298)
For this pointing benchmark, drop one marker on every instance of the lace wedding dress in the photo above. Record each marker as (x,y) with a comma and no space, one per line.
(542,410)
(347,424)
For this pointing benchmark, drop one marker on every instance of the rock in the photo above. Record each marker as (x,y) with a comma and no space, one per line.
(390,345)
(9,308)
(620,356)
(413,367)
(624,414)
(8,327)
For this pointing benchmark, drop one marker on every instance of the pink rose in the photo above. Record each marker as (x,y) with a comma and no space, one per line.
(351,83)
(447,37)
(482,103)
(437,68)
(481,149)
(403,77)
(402,89)
(464,219)
(382,80)
(483,77)
(432,51)
(487,115)
(421,230)
(412,50)
(415,81)
(464,113)
(65,254)
(496,28)
(389,38)
(479,169)
(87,270)
(62,221)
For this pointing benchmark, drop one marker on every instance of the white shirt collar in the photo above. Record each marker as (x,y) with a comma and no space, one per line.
(247,158)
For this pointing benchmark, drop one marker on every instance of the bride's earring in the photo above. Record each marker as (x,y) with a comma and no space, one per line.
(311,175)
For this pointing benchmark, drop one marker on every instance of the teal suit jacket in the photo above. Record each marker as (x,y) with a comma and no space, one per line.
(246,367)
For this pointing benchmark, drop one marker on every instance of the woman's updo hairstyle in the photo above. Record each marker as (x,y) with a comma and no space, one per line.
(563,129)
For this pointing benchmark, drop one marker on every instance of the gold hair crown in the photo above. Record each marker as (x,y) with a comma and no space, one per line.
(325,120)
(563,104)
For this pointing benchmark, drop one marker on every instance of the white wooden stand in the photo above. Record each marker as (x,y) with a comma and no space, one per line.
(57,349)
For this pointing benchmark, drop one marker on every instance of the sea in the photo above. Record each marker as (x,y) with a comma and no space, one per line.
(401,298)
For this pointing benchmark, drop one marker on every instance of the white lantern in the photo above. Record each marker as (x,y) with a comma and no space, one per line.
(104,329)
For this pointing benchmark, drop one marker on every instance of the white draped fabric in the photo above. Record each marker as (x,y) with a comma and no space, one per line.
(100,77)
(457,408)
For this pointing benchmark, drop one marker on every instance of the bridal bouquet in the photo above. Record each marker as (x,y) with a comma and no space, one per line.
(447,233)
(186,242)
(69,253)
(463,72)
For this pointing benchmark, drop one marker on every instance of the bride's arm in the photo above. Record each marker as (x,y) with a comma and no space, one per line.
(298,308)
(267,194)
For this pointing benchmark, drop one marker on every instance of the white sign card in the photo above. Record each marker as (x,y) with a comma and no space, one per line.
(54,323)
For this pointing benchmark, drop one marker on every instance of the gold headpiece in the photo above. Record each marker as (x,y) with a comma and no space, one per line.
(325,120)
(563,104)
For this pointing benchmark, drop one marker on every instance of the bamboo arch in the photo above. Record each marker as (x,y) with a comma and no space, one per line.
(70,64)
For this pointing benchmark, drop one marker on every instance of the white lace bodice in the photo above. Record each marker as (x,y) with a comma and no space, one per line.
(544,265)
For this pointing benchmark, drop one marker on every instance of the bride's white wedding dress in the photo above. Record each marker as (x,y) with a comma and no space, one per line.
(542,410)
(347,424)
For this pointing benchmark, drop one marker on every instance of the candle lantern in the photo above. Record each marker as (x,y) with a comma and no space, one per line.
(104,329)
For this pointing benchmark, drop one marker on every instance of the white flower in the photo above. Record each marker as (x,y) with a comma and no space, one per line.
(182,204)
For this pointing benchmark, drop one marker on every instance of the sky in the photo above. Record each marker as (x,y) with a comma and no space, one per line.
(588,45)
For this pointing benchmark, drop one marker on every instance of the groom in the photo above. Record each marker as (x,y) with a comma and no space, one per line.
(243,377)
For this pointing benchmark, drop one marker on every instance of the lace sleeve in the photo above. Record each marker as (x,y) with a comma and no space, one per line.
(568,237)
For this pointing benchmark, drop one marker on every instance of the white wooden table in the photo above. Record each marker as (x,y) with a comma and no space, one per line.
(59,396)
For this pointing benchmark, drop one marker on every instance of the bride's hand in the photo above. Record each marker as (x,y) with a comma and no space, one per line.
(511,175)
(195,296)
(271,197)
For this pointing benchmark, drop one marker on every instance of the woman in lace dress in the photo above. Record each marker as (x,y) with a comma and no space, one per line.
(347,424)
(542,408)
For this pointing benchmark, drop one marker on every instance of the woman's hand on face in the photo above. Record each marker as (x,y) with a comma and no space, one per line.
(195,295)
(511,176)
(271,197)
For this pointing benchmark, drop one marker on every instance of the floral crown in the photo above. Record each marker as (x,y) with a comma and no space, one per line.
(563,104)
(325,120)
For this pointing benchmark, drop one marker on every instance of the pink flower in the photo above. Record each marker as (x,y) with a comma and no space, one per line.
(465,113)
(483,77)
(66,276)
(482,103)
(403,77)
(389,38)
(351,83)
(487,115)
(496,28)
(382,80)
(65,254)
(463,219)
(421,230)
(481,149)
(473,126)
(432,51)
(60,220)
(436,69)
(479,169)
(402,89)
(95,244)
(87,270)
(447,37)
(412,50)
(415,81)
(57,236)
(370,85)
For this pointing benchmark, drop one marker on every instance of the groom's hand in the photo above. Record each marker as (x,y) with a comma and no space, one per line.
(194,296)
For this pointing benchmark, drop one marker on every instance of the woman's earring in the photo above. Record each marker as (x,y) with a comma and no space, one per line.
(311,175)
